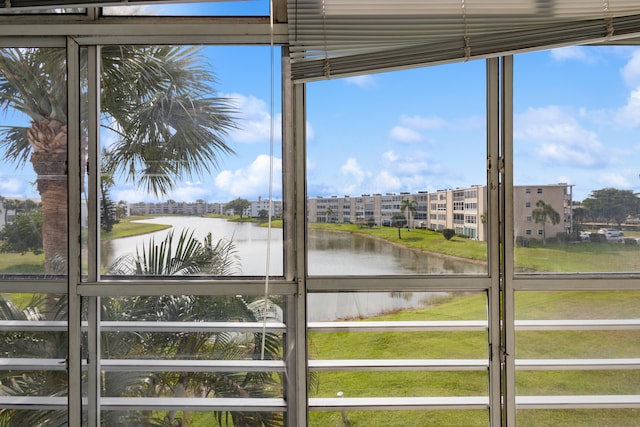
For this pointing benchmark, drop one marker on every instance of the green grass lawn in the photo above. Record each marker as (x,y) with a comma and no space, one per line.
(128,227)
(452,345)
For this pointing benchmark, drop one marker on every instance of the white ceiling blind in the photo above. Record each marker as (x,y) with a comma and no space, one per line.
(51,4)
(330,38)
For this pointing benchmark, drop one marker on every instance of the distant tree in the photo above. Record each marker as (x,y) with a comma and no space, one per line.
(371,222)
(9,205)
(611,205)
(398,220)
(542,213)
(328,213)
(577,217)
(408,208)
(263,214)
(448,233)
(121,209)
(108,216)
(24,233)
(238,206)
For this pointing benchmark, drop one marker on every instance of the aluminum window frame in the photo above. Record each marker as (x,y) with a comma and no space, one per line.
(501,283)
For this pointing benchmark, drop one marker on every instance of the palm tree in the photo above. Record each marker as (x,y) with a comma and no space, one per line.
(398,220)
(158,100)
(408,207)
(182,257)
(542,213)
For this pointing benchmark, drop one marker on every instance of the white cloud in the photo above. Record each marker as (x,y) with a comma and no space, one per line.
(353,178)
(390,156)
(575,53)
(558,137)
(394,173)
(415,163)
(629,115)
(423,123)
(615,180)
(361,81)
(253,120)
(387,181)
(189,192)
(252,181)
(411,128)
(405,134)
(631,70)
(311,135)
(183,192)
(131,195)
(352,168)
(12,187)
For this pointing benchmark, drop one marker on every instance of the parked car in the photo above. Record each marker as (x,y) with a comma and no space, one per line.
(612,234)
(585,236)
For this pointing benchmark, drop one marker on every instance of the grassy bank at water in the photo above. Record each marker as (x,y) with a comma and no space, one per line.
(473,345)
(128,227)
(553,258)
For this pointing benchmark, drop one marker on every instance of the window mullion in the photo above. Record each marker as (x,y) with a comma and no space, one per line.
(74,188)
(508,309)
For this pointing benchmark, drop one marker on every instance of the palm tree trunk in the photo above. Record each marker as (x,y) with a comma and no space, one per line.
(49,160)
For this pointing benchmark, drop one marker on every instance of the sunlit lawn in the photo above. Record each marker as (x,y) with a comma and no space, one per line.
(452,345)
(128,227)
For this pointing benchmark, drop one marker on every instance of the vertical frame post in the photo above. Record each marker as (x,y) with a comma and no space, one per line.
(74,187)
(493,222)
(508,306)
(294,167)
(93,238)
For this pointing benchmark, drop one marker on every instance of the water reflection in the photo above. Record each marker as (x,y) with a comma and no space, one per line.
(343,253)
(249,239)
(330,253)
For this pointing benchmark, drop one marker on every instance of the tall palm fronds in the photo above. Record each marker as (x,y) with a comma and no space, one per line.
(159,100)
(188,257)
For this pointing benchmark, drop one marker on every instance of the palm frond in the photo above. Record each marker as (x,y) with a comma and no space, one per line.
(172,124)
(14,144)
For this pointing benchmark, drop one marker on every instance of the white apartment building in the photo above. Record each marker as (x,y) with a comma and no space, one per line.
(261,206)
(462,209)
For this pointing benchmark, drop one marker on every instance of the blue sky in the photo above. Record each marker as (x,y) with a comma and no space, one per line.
(576,116)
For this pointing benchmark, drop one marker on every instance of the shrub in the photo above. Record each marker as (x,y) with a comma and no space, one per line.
(597,237)
(448,233)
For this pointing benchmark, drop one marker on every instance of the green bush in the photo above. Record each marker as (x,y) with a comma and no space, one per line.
(597,237)
(448,233)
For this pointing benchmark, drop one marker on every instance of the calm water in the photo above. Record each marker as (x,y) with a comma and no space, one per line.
(329,254)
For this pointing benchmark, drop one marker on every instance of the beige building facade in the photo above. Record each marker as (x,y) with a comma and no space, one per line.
(462,209)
